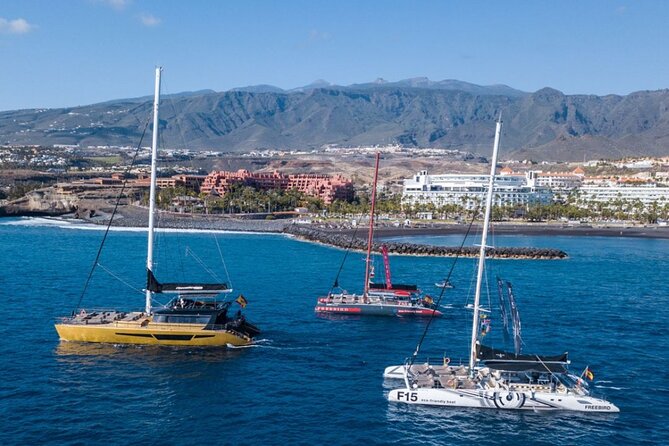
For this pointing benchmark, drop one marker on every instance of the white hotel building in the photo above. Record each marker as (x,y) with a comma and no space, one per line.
(468,190)
(611,191)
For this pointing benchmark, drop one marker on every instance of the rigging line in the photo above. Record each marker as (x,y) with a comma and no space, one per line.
(348,249)
(207,268)
(443,290)
(204,266)
(225,267)
(111,273)
(113,214)
(547,368)
(170,101)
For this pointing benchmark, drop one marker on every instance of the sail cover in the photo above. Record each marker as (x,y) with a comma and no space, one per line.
(501,360)
(153,285)
(502,308)
(515,318)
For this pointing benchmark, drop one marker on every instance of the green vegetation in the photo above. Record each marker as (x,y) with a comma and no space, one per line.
(246,199)
(240,199)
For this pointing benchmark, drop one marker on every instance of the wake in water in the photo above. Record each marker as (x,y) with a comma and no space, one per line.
(66,224)
(264,343)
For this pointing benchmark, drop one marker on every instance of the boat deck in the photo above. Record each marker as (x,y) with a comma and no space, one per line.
(375,305)
(456,377)
(104,317)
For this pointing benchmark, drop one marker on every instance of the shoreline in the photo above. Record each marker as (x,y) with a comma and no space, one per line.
(137,217)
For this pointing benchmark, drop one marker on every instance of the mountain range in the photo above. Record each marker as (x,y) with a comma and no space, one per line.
(417,112)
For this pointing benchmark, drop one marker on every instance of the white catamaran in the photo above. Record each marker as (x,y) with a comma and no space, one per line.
(495,378)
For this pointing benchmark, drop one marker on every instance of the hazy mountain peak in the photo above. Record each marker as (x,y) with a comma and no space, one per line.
(318,83)
(261,88)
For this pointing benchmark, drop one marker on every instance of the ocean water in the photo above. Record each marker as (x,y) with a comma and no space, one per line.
(313,380)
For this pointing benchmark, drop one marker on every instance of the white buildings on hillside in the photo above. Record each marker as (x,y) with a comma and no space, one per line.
(559,182)
(613,191)
(513,189)
(468,190)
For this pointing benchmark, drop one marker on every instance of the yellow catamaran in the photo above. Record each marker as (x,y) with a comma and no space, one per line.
(196,316)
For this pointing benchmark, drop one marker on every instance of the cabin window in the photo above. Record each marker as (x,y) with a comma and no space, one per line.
(181,319)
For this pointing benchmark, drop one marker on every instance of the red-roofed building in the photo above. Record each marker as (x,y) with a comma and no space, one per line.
(327,188)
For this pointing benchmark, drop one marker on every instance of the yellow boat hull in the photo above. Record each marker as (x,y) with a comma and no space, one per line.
(149,334)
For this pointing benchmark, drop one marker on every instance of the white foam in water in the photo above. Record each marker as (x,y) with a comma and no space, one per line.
(66,224)
(263,343)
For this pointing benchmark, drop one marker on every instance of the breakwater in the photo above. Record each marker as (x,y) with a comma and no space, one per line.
(343,240)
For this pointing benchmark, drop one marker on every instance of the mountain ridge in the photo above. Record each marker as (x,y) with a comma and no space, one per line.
(416,112)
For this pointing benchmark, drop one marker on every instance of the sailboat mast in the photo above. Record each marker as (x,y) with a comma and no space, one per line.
(484,238)
(370,237)
(152,193)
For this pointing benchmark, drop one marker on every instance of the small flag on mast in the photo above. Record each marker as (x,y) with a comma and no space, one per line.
(588,374)
(241,300)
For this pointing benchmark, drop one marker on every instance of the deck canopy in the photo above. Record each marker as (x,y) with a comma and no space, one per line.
(154,286)
(508,361)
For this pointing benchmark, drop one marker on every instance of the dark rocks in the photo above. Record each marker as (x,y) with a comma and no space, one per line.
(359,243)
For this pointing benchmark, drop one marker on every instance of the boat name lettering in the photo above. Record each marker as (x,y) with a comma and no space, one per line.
(598,407)
(408,396)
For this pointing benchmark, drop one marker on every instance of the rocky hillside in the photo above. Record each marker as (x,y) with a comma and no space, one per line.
(545,125)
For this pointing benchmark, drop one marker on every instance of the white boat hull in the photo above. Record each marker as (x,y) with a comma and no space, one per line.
(501,399)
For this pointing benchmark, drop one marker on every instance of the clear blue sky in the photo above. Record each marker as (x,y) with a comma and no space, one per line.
(57,53)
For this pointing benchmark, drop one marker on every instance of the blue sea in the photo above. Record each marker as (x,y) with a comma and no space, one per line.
(313,380)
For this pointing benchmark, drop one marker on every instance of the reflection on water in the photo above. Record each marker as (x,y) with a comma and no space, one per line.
(464,424)
(319,380)
(89,351)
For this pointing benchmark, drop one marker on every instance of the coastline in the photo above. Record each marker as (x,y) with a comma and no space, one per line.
(137,217)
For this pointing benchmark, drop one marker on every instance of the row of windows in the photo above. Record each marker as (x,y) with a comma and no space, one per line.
(181,319)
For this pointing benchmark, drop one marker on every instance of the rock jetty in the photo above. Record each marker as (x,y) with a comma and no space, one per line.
(358,243)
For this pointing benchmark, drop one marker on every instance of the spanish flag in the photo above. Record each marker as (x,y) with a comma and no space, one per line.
(241,300)
(588,374)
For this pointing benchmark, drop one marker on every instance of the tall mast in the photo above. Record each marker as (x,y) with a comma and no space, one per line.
(484,237)
(152,193)
(370,237)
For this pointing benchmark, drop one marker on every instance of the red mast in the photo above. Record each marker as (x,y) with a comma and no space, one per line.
(386,265)
(371,227)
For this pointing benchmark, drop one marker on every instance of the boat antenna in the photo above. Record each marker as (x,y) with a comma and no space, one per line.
(370,237)
(484,237)
(152,193)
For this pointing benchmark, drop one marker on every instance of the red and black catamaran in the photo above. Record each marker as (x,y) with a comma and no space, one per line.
(377,299)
